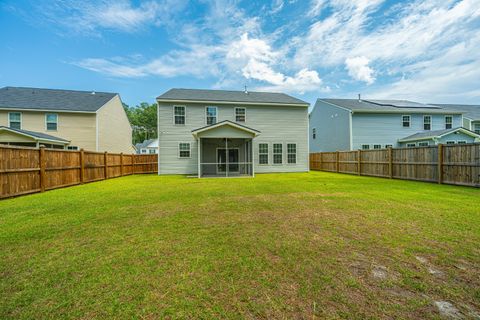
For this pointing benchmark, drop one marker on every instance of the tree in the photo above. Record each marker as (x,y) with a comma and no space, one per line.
(143,119)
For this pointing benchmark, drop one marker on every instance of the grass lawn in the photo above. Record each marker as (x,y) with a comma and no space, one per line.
(310,245)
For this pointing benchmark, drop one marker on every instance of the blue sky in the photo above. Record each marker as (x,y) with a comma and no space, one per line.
(426,51)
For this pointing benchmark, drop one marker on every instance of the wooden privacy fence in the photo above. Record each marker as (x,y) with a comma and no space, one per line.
(449,164)
(28,170)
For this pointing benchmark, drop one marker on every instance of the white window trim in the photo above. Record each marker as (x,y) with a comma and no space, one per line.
(377,145)
(411,145)
(189,152)
(46,126)
(235,114)
(173,113)
(451,123)
(268,154)
(409,120)
(21,119)
(287,153)
(461,141)
(450,142)
(206,115)
(421,144)
(362,147)
(388,146)
(273,153)
(72,148)
(423,123)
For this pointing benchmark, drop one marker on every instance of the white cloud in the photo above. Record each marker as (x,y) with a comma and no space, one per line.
(90,17)
(358,69)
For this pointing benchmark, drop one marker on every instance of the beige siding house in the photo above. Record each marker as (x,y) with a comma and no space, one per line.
(64,119)
(231,133)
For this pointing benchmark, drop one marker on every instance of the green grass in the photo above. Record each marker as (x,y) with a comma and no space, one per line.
(275,246)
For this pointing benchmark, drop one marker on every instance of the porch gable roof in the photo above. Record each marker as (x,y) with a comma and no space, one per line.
(226,124)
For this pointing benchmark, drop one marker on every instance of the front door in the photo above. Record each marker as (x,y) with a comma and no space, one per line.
(232,160)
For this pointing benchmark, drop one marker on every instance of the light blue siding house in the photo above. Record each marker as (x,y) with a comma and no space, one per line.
(352,124)
(471,115)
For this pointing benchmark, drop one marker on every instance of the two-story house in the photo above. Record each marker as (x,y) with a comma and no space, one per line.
(471,115)
(64,119)
(352,124)
(149,146)
(231,133)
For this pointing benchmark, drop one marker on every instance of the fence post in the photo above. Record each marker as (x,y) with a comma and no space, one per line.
(390,162)
(42,163)
(121,164)
(320,161)
(359,165)
(82,166)
(440,163)
(133,163)
(105,168)
(336,162)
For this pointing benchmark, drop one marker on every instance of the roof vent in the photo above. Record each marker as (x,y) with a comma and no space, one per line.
(359,97)
(93,92)
(246,91)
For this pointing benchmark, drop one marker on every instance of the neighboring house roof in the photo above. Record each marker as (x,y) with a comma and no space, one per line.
(469,110)
(226,123)
(52,99)
(388,106)
(146,144)
(425,135)
(224,96)
(35,135)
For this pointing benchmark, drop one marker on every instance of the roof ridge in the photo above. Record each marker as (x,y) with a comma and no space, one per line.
(54,89)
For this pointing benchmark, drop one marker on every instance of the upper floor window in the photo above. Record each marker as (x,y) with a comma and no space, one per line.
(240,114)
(291,153)
(277,153)
(211,114)
(427,122)
(179,114)
(406,121)
(448,122)
(263,153)
(15,120)
(51,120)
(314,133)
(476,128)
(151,151)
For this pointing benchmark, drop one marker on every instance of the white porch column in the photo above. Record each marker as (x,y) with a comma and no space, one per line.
(199,157)
(226,156)
(253,158)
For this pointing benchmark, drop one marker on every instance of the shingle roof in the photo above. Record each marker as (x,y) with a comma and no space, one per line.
(230,96)
(144,144)
(395,106)
(469,110)
(52,99)
(38,135)
(433,134)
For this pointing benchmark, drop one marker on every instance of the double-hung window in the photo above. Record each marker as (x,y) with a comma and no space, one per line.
(211,114)
(277,153)
(263,153)
(423,144)
(406,121)
(291,153)
(184,150)
(377,146)
(15,120)
(427,122)
(448,122)
(240,114)
(179,114)
(51,121)
(365,147)
(409,145)
(314,133)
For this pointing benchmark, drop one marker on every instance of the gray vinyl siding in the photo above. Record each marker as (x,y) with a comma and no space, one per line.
(277,124)
(383,129)
(332,125)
